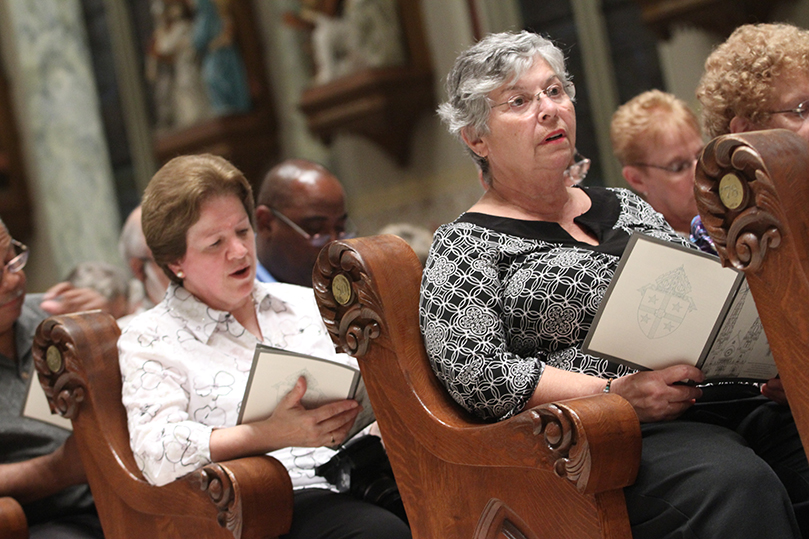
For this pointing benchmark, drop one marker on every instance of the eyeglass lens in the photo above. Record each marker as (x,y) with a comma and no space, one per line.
(319,239)
(20,257)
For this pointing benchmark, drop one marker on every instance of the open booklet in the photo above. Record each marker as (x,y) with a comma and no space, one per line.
(37,407)
(668,304)
(275,372)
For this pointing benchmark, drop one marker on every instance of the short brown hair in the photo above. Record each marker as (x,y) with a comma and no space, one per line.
(174,196)
(642,121)
(739,74)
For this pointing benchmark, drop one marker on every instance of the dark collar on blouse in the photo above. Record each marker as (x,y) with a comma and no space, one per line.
(605,208)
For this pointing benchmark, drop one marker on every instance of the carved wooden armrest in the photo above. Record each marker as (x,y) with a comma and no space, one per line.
(751,190)
(737,198)
(257,490)
(13,524)
(76,358)
(594,441)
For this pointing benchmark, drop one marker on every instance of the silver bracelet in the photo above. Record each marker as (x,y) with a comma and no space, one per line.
(609,383)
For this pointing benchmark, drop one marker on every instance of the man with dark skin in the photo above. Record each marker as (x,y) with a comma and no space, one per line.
(300,207)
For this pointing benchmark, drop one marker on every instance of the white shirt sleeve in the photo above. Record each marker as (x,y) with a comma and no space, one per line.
(166,442)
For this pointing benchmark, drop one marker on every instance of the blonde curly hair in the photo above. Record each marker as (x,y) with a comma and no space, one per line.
(740,73)
(641,123)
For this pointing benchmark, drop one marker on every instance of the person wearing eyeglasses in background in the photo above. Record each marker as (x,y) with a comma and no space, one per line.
(757,79)
(39,463)
(300,207)
(656,137)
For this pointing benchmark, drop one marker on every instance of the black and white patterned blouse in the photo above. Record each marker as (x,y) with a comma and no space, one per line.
(501,298)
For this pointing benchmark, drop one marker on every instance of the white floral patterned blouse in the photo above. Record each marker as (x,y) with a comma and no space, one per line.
(185,366)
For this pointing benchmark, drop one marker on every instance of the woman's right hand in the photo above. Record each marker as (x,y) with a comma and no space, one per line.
(292,425)
(660,395)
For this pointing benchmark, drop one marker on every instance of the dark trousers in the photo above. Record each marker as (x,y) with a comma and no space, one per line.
(322,514)
(72,527)
(723,470)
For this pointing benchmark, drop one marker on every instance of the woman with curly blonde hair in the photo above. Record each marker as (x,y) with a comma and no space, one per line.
(757,79)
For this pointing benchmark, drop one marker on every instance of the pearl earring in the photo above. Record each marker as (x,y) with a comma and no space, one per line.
(180,274)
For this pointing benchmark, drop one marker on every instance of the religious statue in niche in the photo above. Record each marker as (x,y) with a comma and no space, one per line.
(172,67)
(193,63)
(347,36)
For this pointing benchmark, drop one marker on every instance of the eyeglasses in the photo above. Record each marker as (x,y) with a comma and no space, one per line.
(675,167)
(802,110)
(522,103)
(20,258)
(318,240)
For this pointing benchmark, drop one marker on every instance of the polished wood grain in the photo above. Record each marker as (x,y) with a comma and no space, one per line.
(13,524)
(554,471)
(767,237)
(76,358)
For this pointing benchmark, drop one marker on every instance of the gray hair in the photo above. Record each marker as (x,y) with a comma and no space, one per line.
(490,63)
(132,242)
(108,280)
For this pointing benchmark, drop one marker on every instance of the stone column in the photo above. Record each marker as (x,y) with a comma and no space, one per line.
(69,171)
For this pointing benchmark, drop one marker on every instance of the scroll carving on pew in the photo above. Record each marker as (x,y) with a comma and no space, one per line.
(737,199)
(349,307)
(559,426)
(218,484)
(64,389)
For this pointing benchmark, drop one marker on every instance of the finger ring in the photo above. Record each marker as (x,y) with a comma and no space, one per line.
(332,438)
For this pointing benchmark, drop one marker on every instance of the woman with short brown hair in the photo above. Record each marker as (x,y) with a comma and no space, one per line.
(185,363)
(170,206)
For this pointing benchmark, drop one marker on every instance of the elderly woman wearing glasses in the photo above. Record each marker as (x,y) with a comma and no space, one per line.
(757,79)
(657,140)
(511,287)
(185,363)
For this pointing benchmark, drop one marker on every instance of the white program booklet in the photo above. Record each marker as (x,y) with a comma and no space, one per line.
(668,304)
(275,372)
(37,407)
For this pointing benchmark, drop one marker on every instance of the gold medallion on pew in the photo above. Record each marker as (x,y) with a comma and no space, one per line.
(731,191)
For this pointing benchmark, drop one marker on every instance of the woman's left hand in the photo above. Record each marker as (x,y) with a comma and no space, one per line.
(294,425)
(774,390)
(290,425)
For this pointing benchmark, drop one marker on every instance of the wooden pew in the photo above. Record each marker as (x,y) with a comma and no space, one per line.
(76,358)
(554,471)
(752,192)
(13,524)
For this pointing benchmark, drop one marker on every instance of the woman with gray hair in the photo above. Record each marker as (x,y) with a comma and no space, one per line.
(511,287)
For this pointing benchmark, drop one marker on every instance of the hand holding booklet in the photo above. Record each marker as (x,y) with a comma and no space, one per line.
(668,305)
(275,372)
